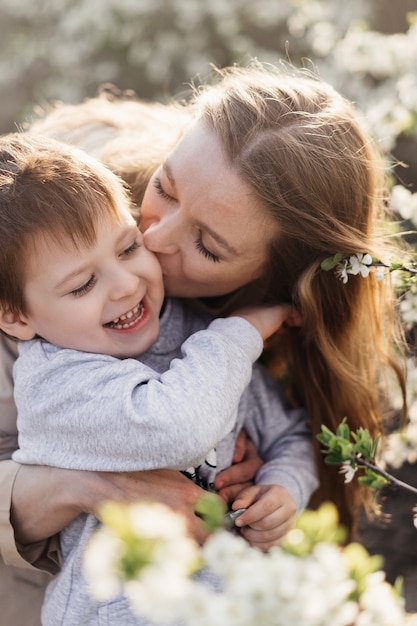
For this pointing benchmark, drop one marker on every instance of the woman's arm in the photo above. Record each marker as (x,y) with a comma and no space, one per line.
(45,499)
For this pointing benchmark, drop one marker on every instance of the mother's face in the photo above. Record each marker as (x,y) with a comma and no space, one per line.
(203,221)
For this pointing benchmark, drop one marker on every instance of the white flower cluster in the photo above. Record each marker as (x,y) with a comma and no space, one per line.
(354,265)
(166,556)
(281,588)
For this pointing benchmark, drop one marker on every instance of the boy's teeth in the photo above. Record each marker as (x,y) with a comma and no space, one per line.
(123,321)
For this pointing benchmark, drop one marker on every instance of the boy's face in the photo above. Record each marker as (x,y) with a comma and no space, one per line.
(105,298)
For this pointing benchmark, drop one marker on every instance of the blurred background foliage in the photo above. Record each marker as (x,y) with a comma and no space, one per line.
(64,49)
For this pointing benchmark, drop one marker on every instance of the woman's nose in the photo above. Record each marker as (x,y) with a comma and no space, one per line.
(162,237)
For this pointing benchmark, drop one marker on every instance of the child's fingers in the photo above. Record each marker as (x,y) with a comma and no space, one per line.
(260,517)
(246,498)
(261,503)
(265,539)
(230,493)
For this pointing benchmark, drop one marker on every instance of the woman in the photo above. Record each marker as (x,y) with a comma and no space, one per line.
(267,143)
(263,141)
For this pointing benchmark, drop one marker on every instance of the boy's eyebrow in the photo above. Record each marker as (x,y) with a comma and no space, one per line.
(216,236)
(70,276)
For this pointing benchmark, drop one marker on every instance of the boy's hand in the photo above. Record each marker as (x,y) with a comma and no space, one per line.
(241,474)
(268,319)
(269,515)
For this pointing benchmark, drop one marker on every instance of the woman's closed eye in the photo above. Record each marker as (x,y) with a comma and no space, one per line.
(161,191)
(204,251)
(85,288)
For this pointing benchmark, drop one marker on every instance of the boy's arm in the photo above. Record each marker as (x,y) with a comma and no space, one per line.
(282,437)
(124,416)
(285,482)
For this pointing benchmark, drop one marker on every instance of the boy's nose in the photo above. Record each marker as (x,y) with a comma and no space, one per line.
(125,284)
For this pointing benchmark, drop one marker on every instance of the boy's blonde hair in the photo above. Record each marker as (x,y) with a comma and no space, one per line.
(48,188)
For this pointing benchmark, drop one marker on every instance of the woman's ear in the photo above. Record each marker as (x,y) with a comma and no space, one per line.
(16,325)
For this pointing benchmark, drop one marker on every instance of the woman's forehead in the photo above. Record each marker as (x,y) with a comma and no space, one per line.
(209,188)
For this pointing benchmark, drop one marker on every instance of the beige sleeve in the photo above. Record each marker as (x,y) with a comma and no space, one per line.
(43,555)
(21,595)
(8,429)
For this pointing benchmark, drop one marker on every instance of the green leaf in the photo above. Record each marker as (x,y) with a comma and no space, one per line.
(363,443)
(373,480)
(212,509)
(343,430)
(313,527)
(331,262)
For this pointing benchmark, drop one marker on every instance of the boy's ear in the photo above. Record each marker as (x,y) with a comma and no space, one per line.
(15,325)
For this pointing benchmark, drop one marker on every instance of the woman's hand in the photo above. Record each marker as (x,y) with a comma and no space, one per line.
(45,499)
(246,463)
(167,486)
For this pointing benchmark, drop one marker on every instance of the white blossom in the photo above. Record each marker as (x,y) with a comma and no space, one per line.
(277,588)
(348,470)
(404,202)
(379,605)
(100,565)
(359,264)
(342,271)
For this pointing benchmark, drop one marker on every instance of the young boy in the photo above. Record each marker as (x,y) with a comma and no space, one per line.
(85,296)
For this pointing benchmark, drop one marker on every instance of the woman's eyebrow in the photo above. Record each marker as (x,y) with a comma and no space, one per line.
(222,242)
(168,173)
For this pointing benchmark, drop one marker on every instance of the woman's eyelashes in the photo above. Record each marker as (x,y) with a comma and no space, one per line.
(198,242)
(203,250)
(161,191)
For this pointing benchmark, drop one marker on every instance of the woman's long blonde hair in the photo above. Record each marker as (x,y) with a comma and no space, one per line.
(300,147)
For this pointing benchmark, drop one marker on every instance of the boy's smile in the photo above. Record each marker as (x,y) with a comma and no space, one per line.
(103,298)
(129,319)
